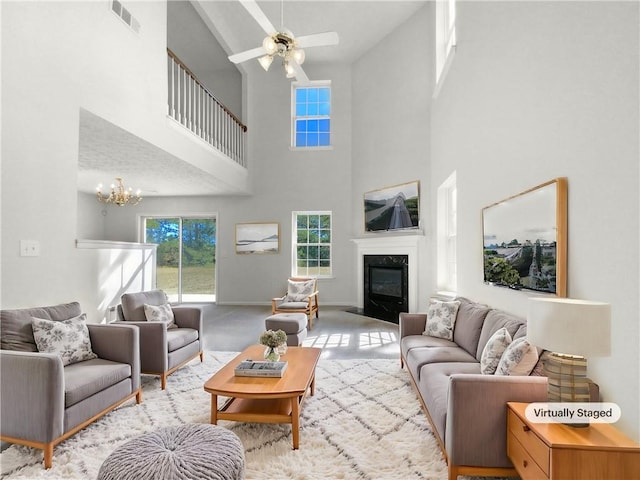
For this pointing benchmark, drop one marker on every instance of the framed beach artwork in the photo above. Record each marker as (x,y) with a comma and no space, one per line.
(525,240)
(257,238)
(392,208)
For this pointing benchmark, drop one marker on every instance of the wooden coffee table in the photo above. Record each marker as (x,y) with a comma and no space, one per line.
(264,399)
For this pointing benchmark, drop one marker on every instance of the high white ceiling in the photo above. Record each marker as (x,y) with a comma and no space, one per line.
(360,24)
(105,148)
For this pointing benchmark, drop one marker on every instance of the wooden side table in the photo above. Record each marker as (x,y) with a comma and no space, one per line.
(557,451)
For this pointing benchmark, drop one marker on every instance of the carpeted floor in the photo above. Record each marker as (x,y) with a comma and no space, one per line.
(364,422)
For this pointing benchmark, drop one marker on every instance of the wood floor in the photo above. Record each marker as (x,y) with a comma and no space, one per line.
(340,334)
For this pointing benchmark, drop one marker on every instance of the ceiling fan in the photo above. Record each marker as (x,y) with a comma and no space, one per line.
(281,43)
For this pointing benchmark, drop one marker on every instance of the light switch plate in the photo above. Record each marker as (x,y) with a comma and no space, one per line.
(29,248)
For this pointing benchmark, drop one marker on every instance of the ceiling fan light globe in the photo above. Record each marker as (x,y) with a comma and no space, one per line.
(298,55)
(265,62)
(269,45)
(289,69)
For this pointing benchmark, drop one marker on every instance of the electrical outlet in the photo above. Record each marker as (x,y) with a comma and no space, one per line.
(29,248)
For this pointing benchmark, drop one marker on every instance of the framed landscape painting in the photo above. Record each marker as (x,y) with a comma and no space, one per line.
(392,208)
(525,240)
(257,238)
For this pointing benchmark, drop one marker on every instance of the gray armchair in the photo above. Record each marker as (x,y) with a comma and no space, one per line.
(43,402)
(163,350)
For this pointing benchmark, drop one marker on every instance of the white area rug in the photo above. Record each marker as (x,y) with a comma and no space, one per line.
(364,422)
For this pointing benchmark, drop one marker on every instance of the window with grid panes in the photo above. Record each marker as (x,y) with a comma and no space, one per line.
(311,244)
(447,227)
(312,115)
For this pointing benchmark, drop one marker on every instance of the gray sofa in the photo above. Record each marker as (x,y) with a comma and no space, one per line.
(466,409)
(43,402)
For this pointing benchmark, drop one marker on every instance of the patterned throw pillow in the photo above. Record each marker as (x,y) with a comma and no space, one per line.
(441,319)
(518,359)
(160,313)
(67,338)
(299,291)
(493,351)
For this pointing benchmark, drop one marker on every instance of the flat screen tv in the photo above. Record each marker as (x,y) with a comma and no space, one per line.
(392,208)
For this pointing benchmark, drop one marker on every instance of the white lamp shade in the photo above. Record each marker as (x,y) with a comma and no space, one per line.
(265,62)
(298,55)
(569,326)
(269,45)
(290,70)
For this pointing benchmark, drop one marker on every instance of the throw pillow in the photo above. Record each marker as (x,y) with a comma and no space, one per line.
(67,338)
(493,350)
(299,291)
(441,319)
(160,313)
(519,358)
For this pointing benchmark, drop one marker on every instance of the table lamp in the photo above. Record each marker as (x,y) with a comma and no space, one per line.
(570,329)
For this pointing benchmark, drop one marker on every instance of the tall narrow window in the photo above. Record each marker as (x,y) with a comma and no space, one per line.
(311,114)
(186,256)
(445,37)
(311,244)
(447,235)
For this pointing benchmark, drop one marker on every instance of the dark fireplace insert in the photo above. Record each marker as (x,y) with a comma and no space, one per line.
(386,284)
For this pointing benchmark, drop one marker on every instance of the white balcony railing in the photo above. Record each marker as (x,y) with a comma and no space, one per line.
(194,106)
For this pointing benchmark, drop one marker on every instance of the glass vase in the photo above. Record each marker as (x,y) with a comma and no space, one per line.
(271,354)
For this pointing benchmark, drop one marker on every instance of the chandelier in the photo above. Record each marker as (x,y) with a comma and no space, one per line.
(119,195)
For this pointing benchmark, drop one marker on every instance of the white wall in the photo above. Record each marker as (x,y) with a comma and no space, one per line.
(190,39)
(391,128)
(59,57)
(537,91)
(283,181)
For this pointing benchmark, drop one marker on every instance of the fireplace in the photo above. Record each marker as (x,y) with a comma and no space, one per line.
(386,285)
(390,245)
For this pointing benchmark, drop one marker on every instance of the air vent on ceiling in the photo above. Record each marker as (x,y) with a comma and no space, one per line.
(125,15)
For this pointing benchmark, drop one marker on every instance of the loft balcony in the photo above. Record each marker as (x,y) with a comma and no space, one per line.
(194,107)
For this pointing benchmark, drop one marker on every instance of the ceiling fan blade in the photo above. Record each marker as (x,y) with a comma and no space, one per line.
(318,40)
(256,12)
(301,76)
(247,55)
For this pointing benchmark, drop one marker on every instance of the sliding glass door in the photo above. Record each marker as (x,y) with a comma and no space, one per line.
(186,256)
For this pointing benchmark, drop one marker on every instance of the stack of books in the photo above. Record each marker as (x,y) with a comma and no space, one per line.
(254,368)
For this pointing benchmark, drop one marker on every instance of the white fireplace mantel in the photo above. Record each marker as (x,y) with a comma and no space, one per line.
(390,245)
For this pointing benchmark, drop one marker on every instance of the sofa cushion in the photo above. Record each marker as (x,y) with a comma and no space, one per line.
(83,379)
(133,303)
(299,291)
(441,319)
(521,332)
(434,389)
(293,306)
(160,313)
(471,316)
(417,357)
(179,337)
(493,351)
(15,325)
(494,321)
(519,358)
(69,339)
(419,341)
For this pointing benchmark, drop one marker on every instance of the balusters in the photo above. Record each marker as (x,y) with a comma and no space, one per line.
(193,106)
